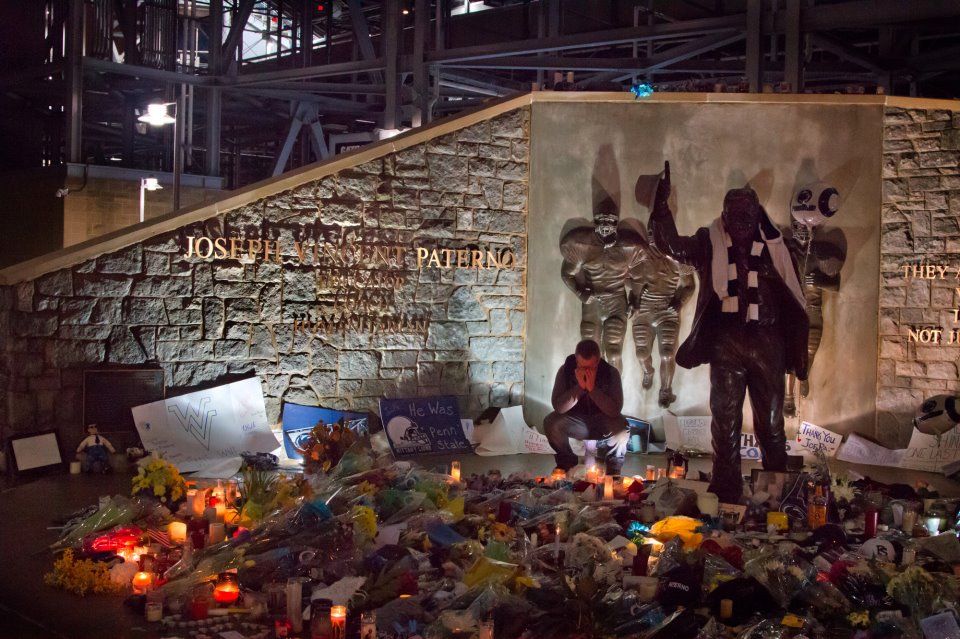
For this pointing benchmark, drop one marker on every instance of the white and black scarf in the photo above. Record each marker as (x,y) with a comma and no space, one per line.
(768,241)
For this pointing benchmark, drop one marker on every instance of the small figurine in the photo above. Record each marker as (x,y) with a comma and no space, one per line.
(96,447)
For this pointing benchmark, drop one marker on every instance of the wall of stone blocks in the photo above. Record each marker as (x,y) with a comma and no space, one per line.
(206,321)
(921,225)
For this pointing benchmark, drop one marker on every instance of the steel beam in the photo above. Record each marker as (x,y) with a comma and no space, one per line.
(235,36)
(754,34)
(845,51)
(74,83)
(361,34)
(340,68)
(214,95)
(792,67)
(591,39)
(157,75)
(391,54)
(421,84)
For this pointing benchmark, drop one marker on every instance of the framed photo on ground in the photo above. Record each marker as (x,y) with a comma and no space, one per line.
(35,452)
(776,484)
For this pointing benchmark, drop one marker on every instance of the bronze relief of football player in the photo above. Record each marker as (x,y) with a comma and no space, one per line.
(596,263)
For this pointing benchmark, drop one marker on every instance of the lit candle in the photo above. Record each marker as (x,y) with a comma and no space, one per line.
(651,472)
(177,531)
(592,474)
(142,582)
(221,510)
(627,482)
(556,544)
(932,524)
(227,590)
(338,622)
(454,472)
(198,502)
(608,487)
(661,473)
(558,474)
(726,608)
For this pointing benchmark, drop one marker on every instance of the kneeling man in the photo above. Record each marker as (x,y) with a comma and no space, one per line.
(587,400)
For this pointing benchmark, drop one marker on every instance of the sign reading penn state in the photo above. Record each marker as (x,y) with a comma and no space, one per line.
(423,426)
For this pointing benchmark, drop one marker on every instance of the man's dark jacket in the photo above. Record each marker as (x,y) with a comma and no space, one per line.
(697,251)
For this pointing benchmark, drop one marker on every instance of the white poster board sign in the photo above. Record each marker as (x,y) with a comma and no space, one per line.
(925,453)
(812,439)
(859,450)
(688,433)
(194,430)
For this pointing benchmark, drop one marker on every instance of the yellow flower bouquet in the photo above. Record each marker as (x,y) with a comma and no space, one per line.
(159,479)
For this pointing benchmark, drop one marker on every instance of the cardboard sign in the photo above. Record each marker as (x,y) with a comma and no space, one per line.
(194,430)
(298,421)
(423,426)
(860,450)
(688,433)
(925,453)
(812,439)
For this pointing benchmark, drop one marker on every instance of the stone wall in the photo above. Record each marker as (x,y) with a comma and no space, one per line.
(921,225)
(206,321)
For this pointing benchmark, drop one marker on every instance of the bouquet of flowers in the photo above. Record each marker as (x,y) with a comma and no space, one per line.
(80,576)
(325,446)
(781,574)
(158,478)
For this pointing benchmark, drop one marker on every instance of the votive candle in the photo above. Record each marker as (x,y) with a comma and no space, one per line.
(608,487)
(338,622)
(177,531)
(454,472)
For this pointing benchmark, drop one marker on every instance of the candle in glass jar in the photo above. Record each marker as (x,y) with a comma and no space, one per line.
(142,582)
(338,622)
(593,475)
(153,611)
(227,590)
(608,487)
(217,532)
(651,473)
(198,501)
(454,472)
(368,625)
(909,521)
(558,474)
(177,531)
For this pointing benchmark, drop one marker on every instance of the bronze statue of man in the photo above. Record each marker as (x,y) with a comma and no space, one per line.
(750,325)
(595,265)
(657,288)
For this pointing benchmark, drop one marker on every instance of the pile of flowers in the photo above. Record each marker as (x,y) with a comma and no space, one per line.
(547,557)
(80,576)
(158,478)
(325,446)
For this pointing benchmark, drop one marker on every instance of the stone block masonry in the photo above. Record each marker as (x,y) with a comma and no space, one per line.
(920,227)
(210,320)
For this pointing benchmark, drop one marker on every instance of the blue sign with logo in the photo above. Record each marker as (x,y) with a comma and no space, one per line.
(423,426)
(298,421)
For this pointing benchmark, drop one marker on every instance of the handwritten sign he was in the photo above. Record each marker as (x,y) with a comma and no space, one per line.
(423,426)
